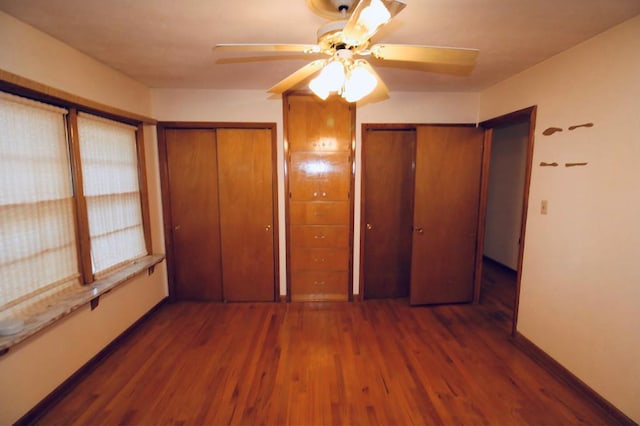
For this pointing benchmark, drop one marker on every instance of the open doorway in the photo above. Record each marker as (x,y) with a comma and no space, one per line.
(508,157)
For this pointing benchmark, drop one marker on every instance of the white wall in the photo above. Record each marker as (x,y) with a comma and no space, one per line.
(505,192)
(37,56)
(258,106)
(580,294)
(35,367)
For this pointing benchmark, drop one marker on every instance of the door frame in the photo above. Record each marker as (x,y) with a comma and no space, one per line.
(525,115)
(162,127)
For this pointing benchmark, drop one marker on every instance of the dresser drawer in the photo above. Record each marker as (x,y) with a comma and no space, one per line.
(319,212)
(319,286)
(320,259)
(319,236)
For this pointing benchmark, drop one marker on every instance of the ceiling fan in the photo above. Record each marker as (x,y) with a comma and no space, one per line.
(345,41)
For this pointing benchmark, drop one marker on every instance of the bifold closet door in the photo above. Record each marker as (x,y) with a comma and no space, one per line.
(195,229)
(246,188)
(445,217)
(388,159)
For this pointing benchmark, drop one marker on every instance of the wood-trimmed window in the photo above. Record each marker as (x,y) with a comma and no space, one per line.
(73,204)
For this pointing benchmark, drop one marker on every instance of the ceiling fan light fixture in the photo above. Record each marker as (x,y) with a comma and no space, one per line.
(330,79)
(359,83)
(319,89)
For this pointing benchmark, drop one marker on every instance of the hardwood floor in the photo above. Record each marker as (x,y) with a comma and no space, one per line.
(374,362)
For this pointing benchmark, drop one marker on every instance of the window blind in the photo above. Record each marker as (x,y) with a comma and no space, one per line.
(37,230)
(111,187)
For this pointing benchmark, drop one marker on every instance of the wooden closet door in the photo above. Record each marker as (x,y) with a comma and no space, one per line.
(445,218)
(388,160)
(246,182)
(193,195)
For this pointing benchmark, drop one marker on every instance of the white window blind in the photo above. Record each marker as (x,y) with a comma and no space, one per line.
(109,162)
(37,229)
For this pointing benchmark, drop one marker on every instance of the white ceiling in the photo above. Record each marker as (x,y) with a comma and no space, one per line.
(168,43)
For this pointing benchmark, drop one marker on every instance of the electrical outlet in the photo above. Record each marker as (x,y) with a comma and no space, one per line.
(543,207)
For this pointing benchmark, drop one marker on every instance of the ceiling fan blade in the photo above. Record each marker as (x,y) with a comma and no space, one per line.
(367,17)
(257,47)
(298,76)
(425,54)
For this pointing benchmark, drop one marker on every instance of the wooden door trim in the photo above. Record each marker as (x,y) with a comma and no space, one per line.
(275,226)
(352,203)
(163,165)
(520,116)
(215,125)
(410,126)
(161,128)
(482,213)
(287,208)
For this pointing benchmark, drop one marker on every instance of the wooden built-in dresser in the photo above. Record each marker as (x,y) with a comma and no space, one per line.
(319,153)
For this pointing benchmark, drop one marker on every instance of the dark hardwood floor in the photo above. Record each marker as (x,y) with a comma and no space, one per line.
(374,362)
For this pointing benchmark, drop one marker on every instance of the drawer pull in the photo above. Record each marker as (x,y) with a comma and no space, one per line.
(324,194)
(319,237)
(318,283)
(318,260)
(315,194)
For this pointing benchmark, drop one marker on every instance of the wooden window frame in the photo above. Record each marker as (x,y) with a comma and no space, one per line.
(19,86)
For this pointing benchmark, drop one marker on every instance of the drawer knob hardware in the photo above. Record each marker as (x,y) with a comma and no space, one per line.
(420,231)
(369,226)
(319,237)
(318,260)
(318,283)
(267,228)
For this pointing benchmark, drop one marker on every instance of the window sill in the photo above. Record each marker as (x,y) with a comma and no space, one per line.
(65,304)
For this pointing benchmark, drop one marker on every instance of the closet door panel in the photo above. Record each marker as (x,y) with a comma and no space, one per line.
(388,159)
(246,214)
(445,219)
(193,192)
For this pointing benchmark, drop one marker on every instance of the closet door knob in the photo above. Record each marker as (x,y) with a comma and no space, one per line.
(369,226)
(267,228)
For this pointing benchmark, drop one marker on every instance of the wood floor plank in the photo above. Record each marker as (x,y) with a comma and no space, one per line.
(375,362)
